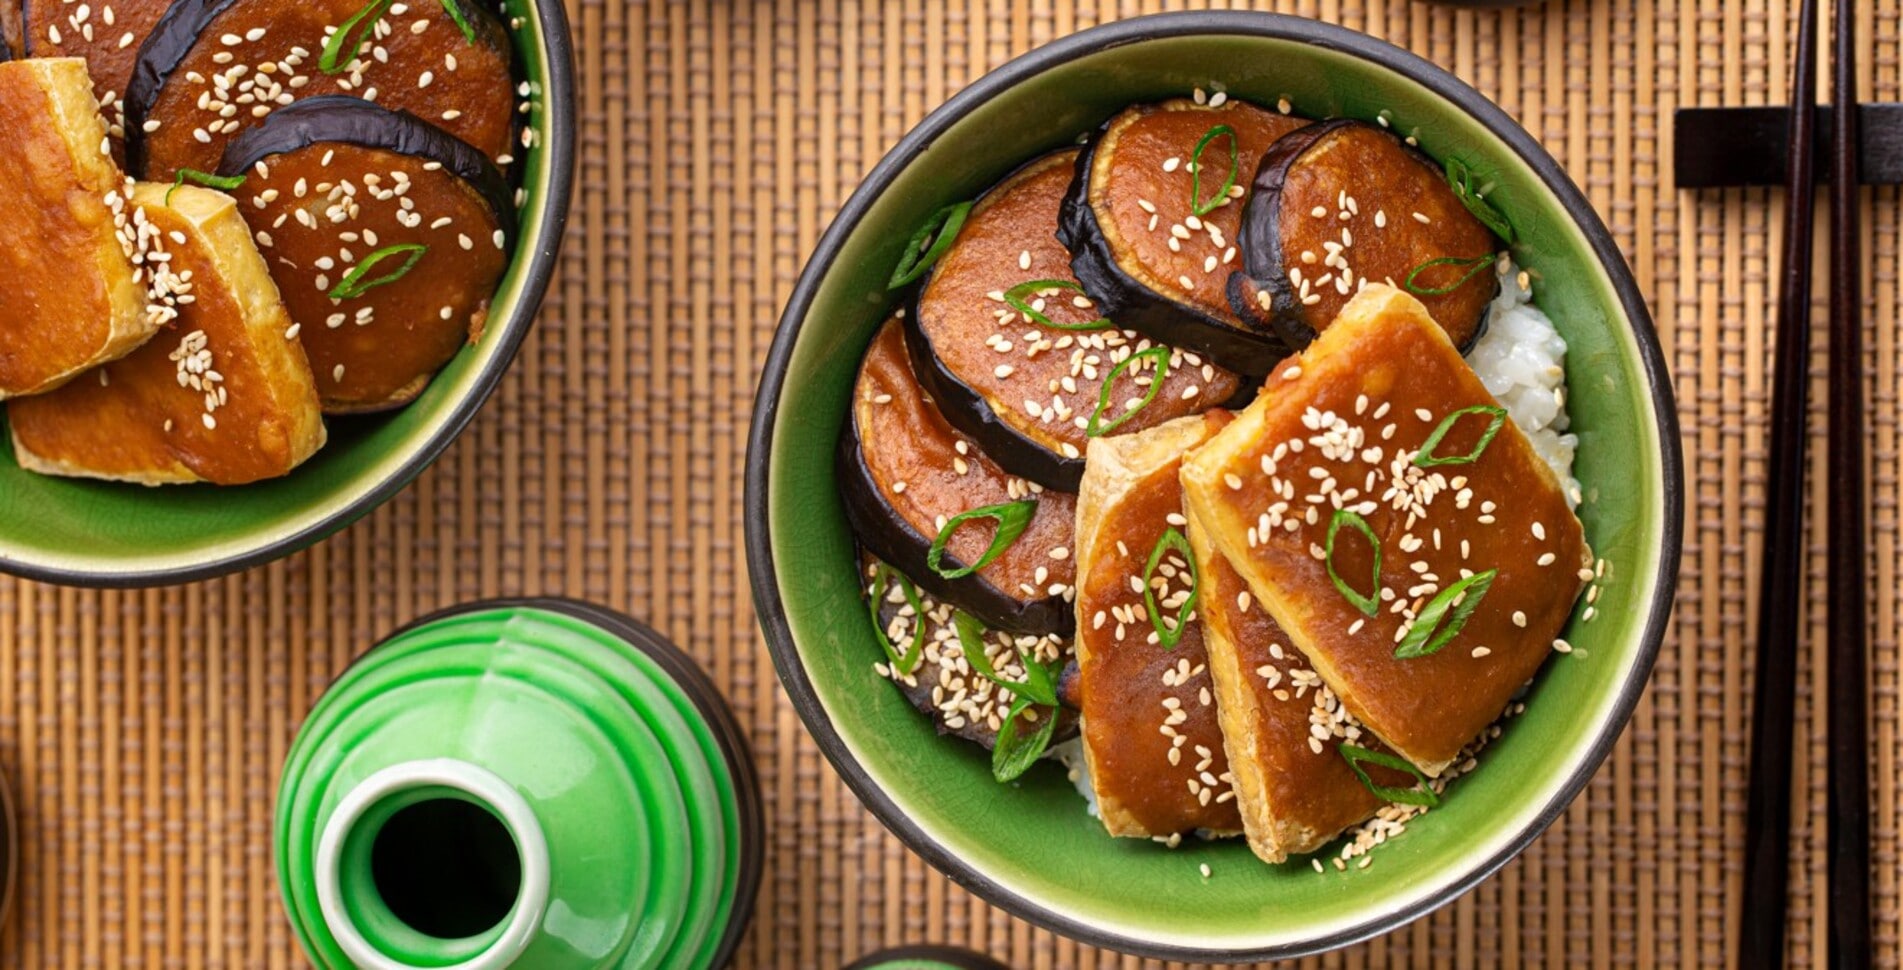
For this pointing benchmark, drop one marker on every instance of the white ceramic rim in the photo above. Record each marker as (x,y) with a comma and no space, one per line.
(496,795)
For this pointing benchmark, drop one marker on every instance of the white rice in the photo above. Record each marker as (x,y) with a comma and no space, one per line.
(1522,361)
(1071,755)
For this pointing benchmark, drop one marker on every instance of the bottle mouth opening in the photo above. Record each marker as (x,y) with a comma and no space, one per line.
(436,864)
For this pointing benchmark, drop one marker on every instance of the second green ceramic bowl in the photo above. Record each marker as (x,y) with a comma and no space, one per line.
(92,533)
(1031,848)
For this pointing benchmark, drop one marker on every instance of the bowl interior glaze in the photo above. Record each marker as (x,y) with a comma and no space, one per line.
(105,533)
(1030,847)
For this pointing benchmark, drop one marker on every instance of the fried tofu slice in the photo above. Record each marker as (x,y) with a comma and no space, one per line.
(1294,789)
(1151,738)
(223,394)
(72,298)
(1381,434)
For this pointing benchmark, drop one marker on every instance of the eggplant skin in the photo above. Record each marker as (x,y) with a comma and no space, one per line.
(340,118)
(886,534)
(1259,241)
(1122,298)
(971,413)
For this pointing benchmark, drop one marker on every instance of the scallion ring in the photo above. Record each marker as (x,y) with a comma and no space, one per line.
(355,283)
(1039,684)
(907,662)
(455,11)
(1016,751)
(1456,604)
(1012,519)
(1017,298)
(1475,263)
(1197,204)
(1423,795)
(1167,634)
(1370,603)
(928,243)
(341,47)
(1426,458)
(1461,178)
(1097,427)
(206,179)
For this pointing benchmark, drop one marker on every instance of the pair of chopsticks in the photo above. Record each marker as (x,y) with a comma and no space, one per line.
(1768,813)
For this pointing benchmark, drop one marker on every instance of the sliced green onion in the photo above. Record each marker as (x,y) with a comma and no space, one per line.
(1426,458)
(455,11)
(1456,603)
(1039,684)
(1015,752)
(1422,795)
(928,243)
(1477,263)
(1016,298)
(341,47)
(206,179)
(1012,519)
(1461,178)
(1370,603)
(1097,427)
(1196,203)
(905,663)
(355,284)
(1171,540)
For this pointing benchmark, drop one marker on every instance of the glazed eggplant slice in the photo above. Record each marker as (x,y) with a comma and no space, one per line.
(1296,790)
(1016,356)
(1151,734)
(922,498)
(934,674)
(1344,203)
(1151,221)
(386,235)
(1397,525)
(214,68)
(222,394)
(72,297)
(106,34)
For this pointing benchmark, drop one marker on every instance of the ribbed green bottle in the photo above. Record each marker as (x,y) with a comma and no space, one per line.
(536,784)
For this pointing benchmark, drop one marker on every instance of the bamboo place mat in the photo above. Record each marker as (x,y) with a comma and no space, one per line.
(143,731)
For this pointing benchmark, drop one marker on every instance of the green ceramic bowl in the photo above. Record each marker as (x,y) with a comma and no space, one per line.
(1030,848)
(108,534)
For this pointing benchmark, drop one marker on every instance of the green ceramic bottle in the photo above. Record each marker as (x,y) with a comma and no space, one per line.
(527,783)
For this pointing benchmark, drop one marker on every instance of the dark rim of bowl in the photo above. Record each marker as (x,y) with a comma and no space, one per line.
(560,149)
(1280,27)
(706,697)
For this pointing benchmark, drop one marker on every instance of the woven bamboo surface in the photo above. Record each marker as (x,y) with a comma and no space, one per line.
(143,731)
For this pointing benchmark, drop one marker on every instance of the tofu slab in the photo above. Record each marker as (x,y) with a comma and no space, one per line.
(1337,427)
(71,298)
(223,394)
(1293,788)
(1151,736)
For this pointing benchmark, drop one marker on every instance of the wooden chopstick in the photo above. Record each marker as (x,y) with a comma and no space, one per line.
(1848,718)
(1768,805)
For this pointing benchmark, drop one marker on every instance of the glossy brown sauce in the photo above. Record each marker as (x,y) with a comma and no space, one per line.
(905,441)
(1010,238)
(109,49)
(1425,707)
(1308,795)
(1382,239)
(141,421)
(1127,682)
(407,335)
(66,278)
(1129,172)
(474,101)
